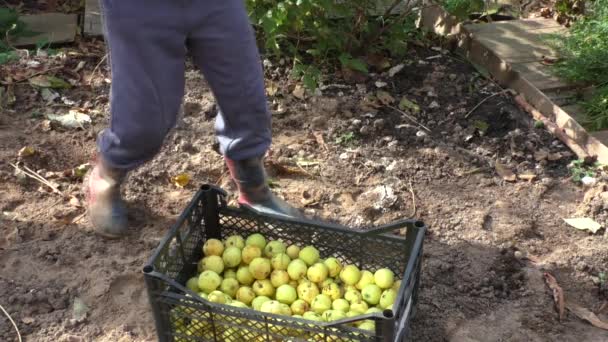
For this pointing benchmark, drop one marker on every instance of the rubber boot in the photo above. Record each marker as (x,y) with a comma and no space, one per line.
(106,209)
(254,192)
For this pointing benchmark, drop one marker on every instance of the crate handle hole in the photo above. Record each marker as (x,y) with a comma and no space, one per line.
(418,224)
(388,313)
(148,268)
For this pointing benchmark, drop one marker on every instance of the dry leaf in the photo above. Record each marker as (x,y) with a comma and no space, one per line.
(587,315)
(320,140)
(272,88)
(541,155)
(299,92)
(505,173)
(28,320)
(584,223)
(384,97)
(558,294)
(181,180)
(73,119)
(554,156)
(26,151)
(378,61)
(353,76)
(527,176)
(75,202)
(406,105)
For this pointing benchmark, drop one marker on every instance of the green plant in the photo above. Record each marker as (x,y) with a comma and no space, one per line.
(463,8)
(584,54)
(347,138)
(11,27)
(322,34)
(581,169)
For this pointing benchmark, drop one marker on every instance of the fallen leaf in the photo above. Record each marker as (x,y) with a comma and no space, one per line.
(45,81)
(272,88)
(384,97)
(80,170)
(74,201)
(541,155)
(304,162)
(394,70)
(26,151)
(558,294)
(584,223)
(73,119)
(283,170)
(370,103)
(320,140)
(504,172)
(28,320)
(587,315)
(527,176)
(554,156)
(406,104)
(181,180)
(482,126)
(48,95)
(299,92)
(378,61)
(79,310)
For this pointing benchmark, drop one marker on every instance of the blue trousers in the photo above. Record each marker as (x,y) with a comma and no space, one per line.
(148,41)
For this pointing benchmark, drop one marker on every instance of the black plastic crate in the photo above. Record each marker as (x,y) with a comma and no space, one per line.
(182,315)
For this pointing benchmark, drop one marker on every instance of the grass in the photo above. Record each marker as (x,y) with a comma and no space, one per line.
(584,53)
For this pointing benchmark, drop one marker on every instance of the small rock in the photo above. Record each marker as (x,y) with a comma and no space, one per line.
(394,70)
(519,255)
(267,63)
(344,156)
(356,122)
(421,134)
(380,84)
(299,92)
(365,130)
(434,105)
(588,181)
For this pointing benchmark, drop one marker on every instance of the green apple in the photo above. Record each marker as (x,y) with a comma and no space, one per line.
(280,261)
(299,307)
(286,294)
(334,266)
(317,273)
(397,285)
(353,295)
(231,257)
(348,287)
(245,294)
(292,282)
(217,297)
(213,247)
(260,268)
(320,304)
(327,281)
(212,263)
(297,269)
(192,284)
(307,291)
(256,239)
(387,299)
(263,288)
(235,241)
(333,315)
(313,316)
(257,302)
(230,273)
(203,294)
(373,310)
(350,274)
(340,304)
(371,294)
(249,253)
(359,306)
(332,290)
(229,286)
(384,278)
(367,278)
(244,276)
(309,255)
(351,314)
(293,251)
(208,281)
(368,325)
(273,248)
(271,306)
(279,277)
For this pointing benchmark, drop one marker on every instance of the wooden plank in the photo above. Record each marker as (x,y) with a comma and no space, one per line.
(93,21)
(53,28)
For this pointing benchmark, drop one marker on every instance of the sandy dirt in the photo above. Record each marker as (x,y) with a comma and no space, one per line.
(488,243)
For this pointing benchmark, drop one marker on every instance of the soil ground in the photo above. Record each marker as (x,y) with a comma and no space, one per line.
(489,240)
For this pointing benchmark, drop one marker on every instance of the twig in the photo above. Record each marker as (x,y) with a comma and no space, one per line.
(28,172)
(13,322)
(413,214)
(483,101)
(97,67)
(410,117)
(32,75)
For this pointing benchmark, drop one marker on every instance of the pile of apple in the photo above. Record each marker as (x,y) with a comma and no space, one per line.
(288,280)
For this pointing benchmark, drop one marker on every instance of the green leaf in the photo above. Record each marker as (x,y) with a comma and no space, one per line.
(406,104)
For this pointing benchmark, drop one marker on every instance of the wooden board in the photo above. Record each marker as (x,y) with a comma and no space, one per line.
(93,22)
(53,28)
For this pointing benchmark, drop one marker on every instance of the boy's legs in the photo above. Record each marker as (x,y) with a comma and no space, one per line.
(146,42)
